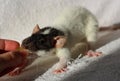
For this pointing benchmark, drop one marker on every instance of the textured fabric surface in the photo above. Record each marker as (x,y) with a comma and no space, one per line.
(103,68)
(18,18)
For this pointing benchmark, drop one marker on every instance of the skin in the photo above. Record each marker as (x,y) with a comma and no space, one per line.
(12,59)
(8,45)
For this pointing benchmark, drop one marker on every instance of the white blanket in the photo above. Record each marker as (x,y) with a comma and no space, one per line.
(103,68)
(18,18)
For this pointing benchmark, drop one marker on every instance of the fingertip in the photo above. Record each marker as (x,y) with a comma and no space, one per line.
(11,45)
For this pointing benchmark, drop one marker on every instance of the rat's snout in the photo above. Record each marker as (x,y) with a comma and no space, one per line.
(28,44)
(25,43)
(24,46)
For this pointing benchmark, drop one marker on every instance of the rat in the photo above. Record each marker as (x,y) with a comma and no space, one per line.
(72,33)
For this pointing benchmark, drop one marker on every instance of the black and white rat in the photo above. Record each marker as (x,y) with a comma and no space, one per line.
(75,27)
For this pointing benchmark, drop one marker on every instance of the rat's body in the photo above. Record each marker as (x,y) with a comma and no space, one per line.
(76,27)
(77,24)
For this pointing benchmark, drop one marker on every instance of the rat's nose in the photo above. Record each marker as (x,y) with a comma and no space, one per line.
(24,45)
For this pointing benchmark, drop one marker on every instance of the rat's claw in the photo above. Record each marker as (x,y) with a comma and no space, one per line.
(91,53)
(57,71)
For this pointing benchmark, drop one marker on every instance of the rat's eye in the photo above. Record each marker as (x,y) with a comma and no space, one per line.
(41,41)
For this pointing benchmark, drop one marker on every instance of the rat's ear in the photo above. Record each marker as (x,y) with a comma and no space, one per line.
(60,41)
(36,29)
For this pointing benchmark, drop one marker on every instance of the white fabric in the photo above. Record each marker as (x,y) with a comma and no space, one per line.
(103,68)
(18,18)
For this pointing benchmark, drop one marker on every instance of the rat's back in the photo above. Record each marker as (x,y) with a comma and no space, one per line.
(75,22)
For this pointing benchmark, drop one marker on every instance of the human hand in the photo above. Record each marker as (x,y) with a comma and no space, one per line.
(8,45)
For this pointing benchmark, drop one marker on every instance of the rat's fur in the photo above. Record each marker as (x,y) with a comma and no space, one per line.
(77,25)
(42,40)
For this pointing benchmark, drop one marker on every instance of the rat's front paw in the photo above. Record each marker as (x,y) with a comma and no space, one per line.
(57,71)
(60,67)
(91,53)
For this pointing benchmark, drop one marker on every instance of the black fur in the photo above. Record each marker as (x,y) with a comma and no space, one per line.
(39,41)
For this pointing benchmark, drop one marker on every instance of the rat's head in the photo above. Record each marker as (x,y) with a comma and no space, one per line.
(42,39)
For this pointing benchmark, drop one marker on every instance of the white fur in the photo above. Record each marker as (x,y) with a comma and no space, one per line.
(46,31)
(41,53)
(77,23)
(63,53)
(64,56)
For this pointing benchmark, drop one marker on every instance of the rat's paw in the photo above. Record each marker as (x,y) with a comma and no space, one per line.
(91,53)
(58,71)
(16,71)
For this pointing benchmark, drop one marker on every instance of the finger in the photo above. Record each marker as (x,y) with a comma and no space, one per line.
(8,45)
